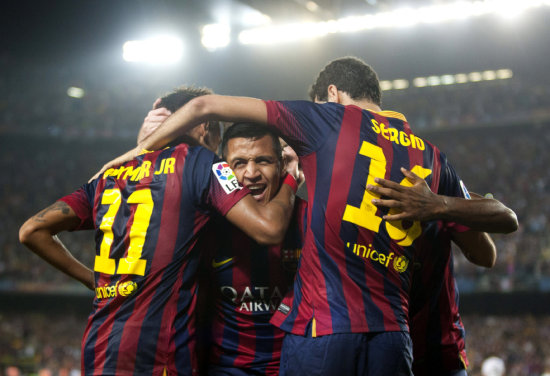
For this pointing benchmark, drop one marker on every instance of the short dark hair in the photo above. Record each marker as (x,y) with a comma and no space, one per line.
(253,131)
(180,96)
(176,99)
(350,75)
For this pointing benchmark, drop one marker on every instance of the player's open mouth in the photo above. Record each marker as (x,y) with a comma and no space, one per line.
(257,190)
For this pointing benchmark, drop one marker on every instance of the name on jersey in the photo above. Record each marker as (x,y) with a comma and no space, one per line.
(167,166)
(118,289)
(399,263)
(398,137)
(253,299)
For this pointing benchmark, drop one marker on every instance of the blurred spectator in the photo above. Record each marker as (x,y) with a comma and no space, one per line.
(493,366)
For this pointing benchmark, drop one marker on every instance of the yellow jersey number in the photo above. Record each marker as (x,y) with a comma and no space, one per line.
(133,263)
(365,215)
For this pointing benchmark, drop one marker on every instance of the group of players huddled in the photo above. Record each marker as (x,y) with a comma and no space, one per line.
(209,265)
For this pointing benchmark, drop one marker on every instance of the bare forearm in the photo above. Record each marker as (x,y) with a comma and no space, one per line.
(267,223)
(481,214)
(52,250)
(204,108)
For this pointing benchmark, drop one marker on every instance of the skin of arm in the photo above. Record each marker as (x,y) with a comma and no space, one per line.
(418,202)
(477,247)
(266,224)
(196,111)
(39,234)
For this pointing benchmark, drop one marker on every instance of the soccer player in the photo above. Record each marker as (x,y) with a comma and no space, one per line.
(248,280)
(148,215)
(350,296)
(437,331)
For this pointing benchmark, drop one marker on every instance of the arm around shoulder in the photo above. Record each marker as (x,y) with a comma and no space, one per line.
(266,224)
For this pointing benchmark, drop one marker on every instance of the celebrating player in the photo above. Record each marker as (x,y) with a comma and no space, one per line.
(148,215)
(247,279)
(437,331)
(350,296)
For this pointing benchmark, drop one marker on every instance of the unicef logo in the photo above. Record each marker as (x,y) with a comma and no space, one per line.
(400,264)
(224,172)
(127,288)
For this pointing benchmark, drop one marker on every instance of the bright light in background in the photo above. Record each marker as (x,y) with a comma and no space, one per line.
(75,92)
(312,6)
(404,17)
(157,50)
(215,36)
(447,79)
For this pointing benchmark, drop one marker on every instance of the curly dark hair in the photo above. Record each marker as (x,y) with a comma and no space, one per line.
(350,75)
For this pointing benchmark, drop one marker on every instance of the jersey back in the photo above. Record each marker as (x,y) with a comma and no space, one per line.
(354,274)
(147,216)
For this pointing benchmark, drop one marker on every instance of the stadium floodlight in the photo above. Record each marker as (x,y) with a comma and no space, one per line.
(447,79)
(75,92)
(461,78)
(504,74)
(400,84)
(420,82)
(215,36)
(489,75)
(475,76)
(312,6)
(434,81)
(156,50)
(386,85)
(403,17)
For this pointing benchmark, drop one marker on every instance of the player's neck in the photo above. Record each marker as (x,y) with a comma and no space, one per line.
(364,104)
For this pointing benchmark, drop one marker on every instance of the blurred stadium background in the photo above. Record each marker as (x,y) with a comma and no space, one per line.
(471,77)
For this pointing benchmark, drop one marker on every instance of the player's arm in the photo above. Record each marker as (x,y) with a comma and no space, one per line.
(152,121)
(266,224)
(39,234)
(196,111)
(477,247)
(418,202)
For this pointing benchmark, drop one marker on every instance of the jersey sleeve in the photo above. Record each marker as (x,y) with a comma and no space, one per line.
(304,125)
(81,202)
(224,191)
(215,184)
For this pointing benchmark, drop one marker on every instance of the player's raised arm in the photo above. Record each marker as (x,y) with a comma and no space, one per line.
(418,202)
(39,234)
(204,108)
(266,224)
(195,112)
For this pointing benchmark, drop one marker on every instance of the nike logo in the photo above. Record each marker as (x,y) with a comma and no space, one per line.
(218,264)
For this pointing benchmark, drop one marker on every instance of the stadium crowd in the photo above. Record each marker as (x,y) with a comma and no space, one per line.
(42,344)
(51,147)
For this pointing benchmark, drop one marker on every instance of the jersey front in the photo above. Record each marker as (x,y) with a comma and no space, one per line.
(437,331)
(147,215)
(248,283)
(354,273)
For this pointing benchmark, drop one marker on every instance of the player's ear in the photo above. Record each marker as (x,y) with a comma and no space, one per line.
(332,94)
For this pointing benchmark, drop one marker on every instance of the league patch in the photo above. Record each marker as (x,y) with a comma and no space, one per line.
(226,177)
(465,190)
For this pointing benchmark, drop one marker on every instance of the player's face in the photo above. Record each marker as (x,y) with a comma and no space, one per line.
(256,165)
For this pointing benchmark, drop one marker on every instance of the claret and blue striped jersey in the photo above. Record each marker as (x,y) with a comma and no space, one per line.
(147,215)
(355,270)
(247,284)
(437,331)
